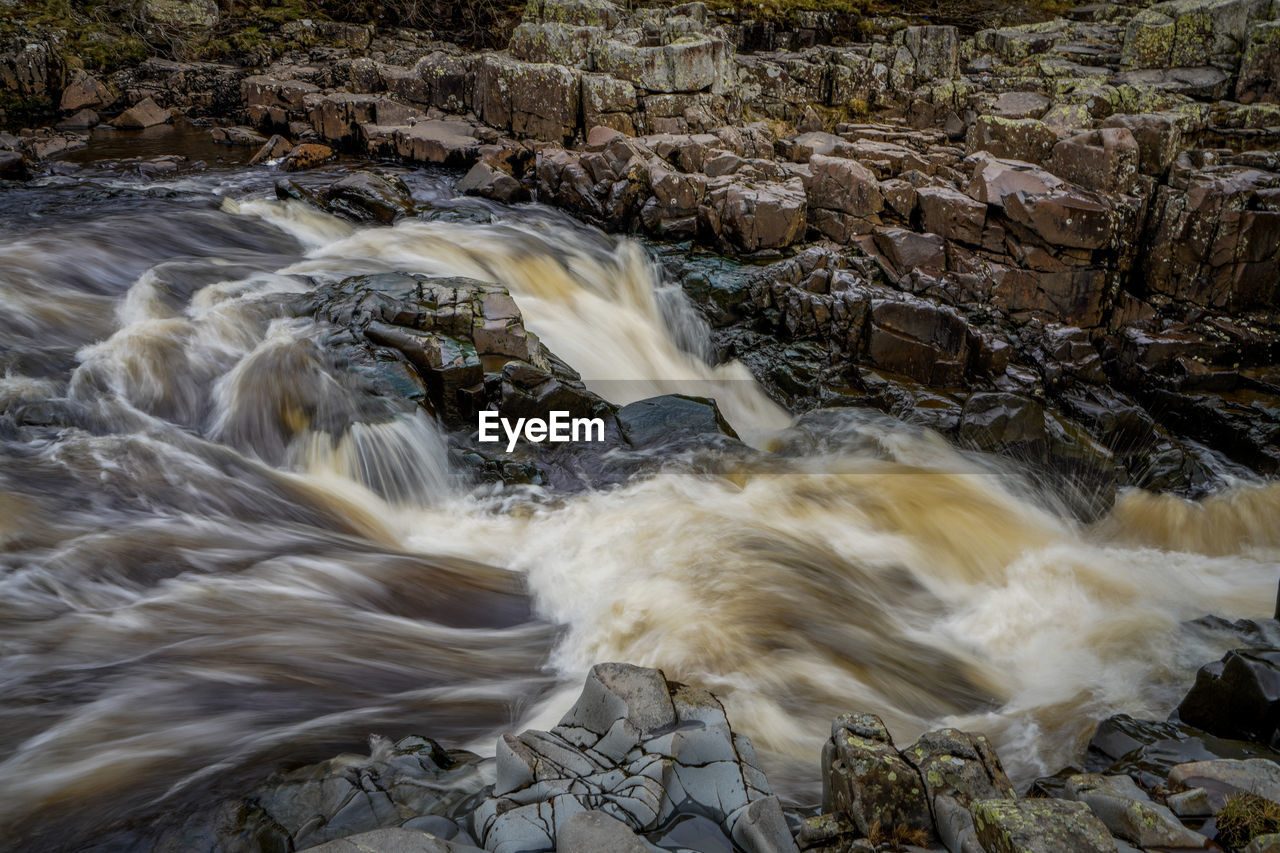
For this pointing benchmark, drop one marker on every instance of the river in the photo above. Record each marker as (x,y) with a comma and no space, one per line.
(197,590)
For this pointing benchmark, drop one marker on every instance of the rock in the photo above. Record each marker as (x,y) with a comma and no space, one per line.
(246,136)
(1269,843)
(1191,803)
(146,113)
(537,100)
(1104,160)
(661,420)
(273,149)
(843,185)
(906,250)
(594,831)
(1020,105)
(447,143)
(180,14)
(1158,135)
(1017,139)
(1237,697)
(995,179)
(959,765)
(337,118)
(1039,826)
(640,749)
(1183,33)
(13,166)
(1260,66)
(920,339)
(394,840)
(954,826)
(693,63)
(924,55)
(1011,422)
(1222,778)
(865,780)
(307,156)
(1148,750)
(1129,813)
(83,120)
(1063,218)
(486,181)
(952,215)
(369,197)
(85,92)
(756,215)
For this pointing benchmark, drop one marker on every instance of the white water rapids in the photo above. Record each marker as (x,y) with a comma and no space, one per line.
(198,584)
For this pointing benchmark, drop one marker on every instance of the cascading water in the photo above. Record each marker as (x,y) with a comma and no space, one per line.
(217,560)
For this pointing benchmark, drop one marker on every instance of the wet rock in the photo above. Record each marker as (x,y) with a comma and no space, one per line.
(307,156)
(13,166)
(349,795)
(1223,778)
(920,339)
(997,420)
(1237,697)
(83,120)
(1039,826)
(85,92)
(245,136)
(369,197)
(392,840)
(145,113)
(486,181)
(1129,813)
(1105,159)
(865,780)
(641,750)
(273,149)
(659,420)
(1148,750)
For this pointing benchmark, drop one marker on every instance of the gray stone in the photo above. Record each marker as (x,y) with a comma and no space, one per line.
(1224,777)
(867,781)
(1190,803)
(395,840)
(1130,814)
(593,832)
(1039,826)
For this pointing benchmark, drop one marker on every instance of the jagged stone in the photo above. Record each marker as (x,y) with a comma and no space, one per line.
(748,216)
(865,779)
(1105,159)
(640,750)
(952,215)
(1237,697)
(146,113)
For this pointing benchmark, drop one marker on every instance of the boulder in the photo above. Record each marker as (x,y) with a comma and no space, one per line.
(447,142)
(535,100)
(906,250)
(273,149)
(959,765)
(920,339)
(994,179)
(83,120)
(245,136)
(306,156)
(13,166)
(369,197)
(594,831)
(486,181)
(1104,159)
(748,216)
(1009,422)
(1223,778)
(1184,33)
(1020,105)
(866,781)
(843,185)
(952,215)
(1039,826)
(1158,136)
(1129,813)
(924,55)
(1017,139)
(146,113)
(693,63)
(660,420)
(1237,697)
(85,92)
(1063,218)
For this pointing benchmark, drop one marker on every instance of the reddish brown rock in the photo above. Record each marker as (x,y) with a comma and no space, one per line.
(1104,160)
(144,114)
(952,215)
(307,156)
